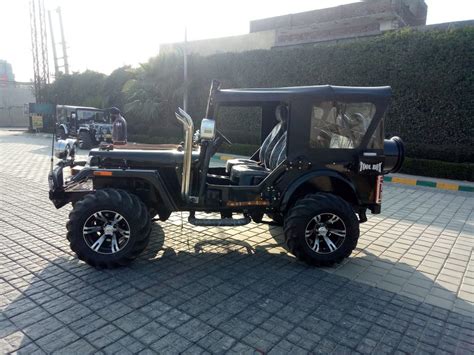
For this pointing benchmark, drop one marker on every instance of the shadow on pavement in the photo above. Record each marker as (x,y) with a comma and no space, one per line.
(219,296)
(419,284)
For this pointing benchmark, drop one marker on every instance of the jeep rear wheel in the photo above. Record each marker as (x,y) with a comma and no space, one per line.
(109,228)
(85,140)
(321,229)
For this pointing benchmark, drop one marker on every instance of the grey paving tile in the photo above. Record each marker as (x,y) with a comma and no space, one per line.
(171,344)
(131,321)
(57,340)
(412,263)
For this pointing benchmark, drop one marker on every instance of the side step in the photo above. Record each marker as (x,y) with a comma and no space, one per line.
(223,222)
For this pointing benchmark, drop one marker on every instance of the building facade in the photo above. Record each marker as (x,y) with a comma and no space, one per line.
(360,19)
(6,72)
(14,98)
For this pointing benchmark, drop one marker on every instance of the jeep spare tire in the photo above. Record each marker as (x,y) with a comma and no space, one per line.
(61,132)
(85,140)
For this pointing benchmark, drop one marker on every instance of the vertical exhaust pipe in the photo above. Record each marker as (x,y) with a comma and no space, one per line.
(188,126)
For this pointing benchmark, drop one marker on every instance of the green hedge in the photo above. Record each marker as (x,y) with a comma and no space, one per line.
(440,169)
(239,149)
(430,73)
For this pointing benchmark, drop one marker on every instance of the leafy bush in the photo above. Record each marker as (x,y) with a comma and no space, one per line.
(430,73)
(440,169)
(239,149)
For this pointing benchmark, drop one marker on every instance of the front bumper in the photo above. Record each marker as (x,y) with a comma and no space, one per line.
(56,187)
(61,192)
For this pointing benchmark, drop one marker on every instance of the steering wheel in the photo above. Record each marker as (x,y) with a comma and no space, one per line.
(224,138)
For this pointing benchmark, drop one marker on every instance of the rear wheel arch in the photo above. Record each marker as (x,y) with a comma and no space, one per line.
(323,181)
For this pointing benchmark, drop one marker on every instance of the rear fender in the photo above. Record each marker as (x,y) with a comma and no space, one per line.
(320,181)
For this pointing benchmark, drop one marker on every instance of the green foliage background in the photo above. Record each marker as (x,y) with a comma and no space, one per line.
(431,74)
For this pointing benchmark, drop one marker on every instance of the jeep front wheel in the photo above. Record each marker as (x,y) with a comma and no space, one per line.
(321,229)
(109,228)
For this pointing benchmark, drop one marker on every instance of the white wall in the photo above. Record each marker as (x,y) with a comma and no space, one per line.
(247,42)
(12,101)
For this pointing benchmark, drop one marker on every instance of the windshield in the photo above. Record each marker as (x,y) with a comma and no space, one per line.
(342,125)
(88,115)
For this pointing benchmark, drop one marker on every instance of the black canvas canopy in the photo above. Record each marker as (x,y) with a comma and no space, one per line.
(319,92)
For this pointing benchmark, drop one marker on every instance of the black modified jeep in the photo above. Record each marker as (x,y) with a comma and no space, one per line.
(89,125)
(319,169)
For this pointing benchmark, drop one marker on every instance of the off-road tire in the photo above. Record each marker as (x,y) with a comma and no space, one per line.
(85,140)
(303,212)
(127,205)
(61,133)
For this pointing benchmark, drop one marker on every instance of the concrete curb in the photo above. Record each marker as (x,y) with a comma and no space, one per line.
(452,186)
(435,184)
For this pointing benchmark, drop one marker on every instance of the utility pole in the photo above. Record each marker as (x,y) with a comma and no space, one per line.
(34,50)
(39,48)
(185,61)
(55,55)
(44,43)
(63,42)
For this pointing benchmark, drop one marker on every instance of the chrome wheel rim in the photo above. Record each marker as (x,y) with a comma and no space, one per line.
(325,233)
(106,232)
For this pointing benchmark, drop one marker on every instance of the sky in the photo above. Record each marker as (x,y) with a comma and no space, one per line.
(103,35)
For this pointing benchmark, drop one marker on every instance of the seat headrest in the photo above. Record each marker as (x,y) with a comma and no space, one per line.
(281,113)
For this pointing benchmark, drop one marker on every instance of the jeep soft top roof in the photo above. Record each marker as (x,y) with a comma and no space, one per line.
(319,92)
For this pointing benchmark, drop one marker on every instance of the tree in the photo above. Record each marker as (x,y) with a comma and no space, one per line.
(114,84)
(81,89)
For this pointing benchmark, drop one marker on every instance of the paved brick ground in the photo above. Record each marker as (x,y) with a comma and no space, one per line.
(408,288)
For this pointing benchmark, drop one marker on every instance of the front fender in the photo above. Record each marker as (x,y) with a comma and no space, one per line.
(151,176)
(290,191)
(66,130)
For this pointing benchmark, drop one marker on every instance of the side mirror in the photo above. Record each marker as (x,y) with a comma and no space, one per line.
(208,129)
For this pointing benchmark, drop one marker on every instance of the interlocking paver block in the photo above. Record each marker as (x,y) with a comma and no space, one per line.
(406,288)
